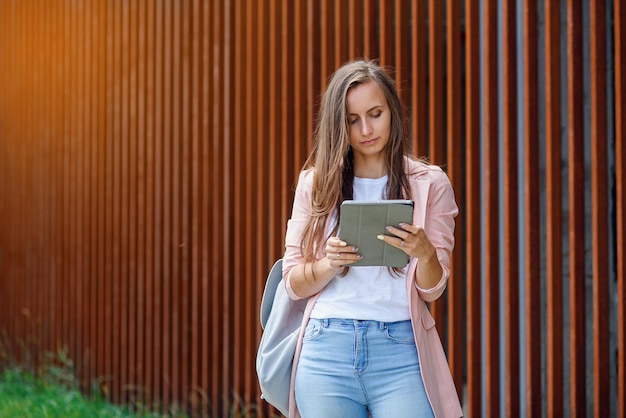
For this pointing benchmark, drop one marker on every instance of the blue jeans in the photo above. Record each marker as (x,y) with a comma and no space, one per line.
(352,368)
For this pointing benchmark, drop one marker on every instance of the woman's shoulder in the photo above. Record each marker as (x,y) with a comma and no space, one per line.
(419,168)
(306,176)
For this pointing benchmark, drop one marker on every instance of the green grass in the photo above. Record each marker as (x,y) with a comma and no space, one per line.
(52,390)
(22,395)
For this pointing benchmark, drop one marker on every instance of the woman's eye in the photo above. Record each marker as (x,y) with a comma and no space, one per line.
(376,115)
(353,121)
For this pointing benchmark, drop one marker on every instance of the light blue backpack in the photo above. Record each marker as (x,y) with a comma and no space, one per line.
(281,319)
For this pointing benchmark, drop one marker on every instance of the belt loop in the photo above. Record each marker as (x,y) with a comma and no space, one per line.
(325,322)
(382,325)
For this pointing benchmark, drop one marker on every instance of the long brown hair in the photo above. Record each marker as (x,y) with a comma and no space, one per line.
(331,157)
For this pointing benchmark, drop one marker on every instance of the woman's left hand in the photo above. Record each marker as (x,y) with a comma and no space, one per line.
(412,240)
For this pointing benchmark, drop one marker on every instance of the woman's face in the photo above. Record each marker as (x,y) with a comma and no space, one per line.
(369,120)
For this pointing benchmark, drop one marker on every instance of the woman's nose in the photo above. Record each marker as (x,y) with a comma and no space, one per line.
(366,128)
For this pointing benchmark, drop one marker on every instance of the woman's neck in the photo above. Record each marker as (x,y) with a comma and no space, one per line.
(373,168)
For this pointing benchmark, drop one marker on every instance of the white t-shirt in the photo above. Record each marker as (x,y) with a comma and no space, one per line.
(366,292)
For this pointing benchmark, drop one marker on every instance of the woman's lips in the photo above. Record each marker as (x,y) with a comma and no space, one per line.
(370,142)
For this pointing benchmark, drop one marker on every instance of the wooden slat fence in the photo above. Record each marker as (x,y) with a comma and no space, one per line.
(148,155)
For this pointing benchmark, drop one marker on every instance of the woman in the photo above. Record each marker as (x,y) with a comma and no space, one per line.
(368,344)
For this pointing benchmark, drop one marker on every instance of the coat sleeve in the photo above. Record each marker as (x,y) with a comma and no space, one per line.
(439,226)
(295,227)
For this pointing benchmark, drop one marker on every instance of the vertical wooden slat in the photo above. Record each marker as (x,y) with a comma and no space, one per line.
(491,181)
(206,126)
(314,77)
(385,36)
(419,78)
(176,245)
(600,209)
(436,109)
(370,29)
(125,211)
(355,29)
(436,93)
(221,89)
(302,129)
(619,34)
(456,158)
(576,178)
(532,200)
(511,353)
(160,134)
(141,215)
(108,242)
(286,128)
(341,31)
(402,50)
(554,252)
(82,237)
(196,159)
(102,207)
(186,19)
(327,42)
(263,218)
(151,199)
(251,235)
(239,124)
(472,208)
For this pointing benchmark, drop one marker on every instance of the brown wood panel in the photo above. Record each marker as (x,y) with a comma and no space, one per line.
(472,209)
(370,29)
(600,210)
(235,294)
(436,109)
(419,79)
(206,130)
(341,33)
(511,395)
(402,50)
(532,201)
(491,181)
(355,29)
(138,262)
(151,198)
(619,34)
(554,250)
(436,87)
(576,178)
(219,174)
(456,171)
(386,32)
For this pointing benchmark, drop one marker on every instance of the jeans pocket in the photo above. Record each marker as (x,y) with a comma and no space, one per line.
(400,332)
(313,330)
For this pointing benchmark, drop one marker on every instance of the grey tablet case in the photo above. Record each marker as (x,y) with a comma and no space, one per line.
(361,221)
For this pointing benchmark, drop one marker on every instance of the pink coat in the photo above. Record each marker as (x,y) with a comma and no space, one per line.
(435,209)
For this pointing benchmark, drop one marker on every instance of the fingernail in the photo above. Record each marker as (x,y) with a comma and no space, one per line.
(355,249)
(343,243)
(360,256)
(388,228)
(380,237)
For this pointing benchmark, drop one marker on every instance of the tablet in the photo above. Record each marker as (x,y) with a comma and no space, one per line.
(360,221)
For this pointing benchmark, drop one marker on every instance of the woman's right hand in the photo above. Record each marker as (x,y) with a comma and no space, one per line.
(340,254)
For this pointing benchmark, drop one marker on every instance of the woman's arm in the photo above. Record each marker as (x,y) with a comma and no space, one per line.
(305,279)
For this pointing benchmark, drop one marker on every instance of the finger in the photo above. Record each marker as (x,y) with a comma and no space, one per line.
(402,234)
(413,229)
(394,241)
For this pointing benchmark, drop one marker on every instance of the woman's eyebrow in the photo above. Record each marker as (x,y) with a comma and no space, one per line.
(368,110)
